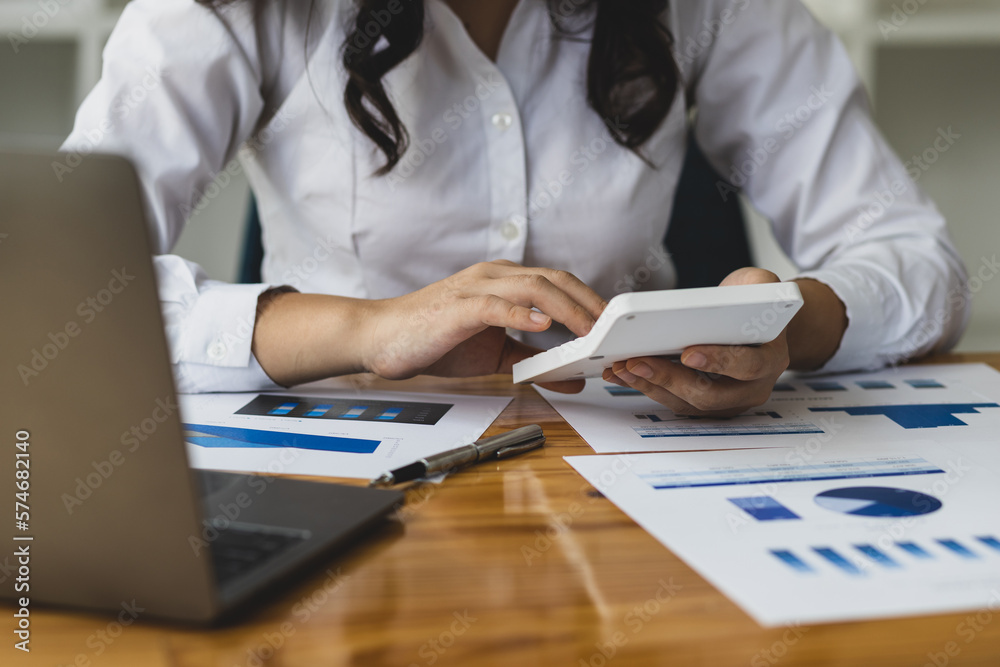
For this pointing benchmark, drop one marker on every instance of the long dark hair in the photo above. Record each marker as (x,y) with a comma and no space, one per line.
(632,77)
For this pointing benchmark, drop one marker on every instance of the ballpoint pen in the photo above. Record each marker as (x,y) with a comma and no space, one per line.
(499,446)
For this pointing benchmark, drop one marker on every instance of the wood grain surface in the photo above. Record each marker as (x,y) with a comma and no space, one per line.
(516,563)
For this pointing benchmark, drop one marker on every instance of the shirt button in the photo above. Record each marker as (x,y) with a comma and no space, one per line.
(217,350)
(510,230)
(502,120)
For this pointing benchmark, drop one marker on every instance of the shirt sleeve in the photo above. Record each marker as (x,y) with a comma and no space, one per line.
(783,116)
(178,95)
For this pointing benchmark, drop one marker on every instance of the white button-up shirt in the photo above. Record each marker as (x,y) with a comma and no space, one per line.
(507,161)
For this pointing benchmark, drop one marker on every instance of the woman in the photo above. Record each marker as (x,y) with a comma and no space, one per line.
(411,158)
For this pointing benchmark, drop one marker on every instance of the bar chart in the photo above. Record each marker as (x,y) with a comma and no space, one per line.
(228,437)
(862,559)
(299,407)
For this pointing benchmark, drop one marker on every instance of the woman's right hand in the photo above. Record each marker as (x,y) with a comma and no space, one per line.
(455,327)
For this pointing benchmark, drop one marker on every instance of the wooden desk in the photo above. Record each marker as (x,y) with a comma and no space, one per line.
(518,563)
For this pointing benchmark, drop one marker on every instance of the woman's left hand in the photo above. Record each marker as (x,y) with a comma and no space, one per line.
(710,380)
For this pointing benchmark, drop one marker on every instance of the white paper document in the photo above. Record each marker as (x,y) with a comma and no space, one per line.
(849,532)
(331,432)
(940,402)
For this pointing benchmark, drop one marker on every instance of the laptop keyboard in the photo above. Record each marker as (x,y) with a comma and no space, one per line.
(239,549)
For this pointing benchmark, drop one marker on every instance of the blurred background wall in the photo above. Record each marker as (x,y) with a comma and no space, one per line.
(928,65)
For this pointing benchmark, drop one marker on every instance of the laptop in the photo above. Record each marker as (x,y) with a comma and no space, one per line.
(109,513)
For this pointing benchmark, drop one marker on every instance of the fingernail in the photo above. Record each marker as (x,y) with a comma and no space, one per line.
(538,318)
(626,376)
(696,360)
(643,371)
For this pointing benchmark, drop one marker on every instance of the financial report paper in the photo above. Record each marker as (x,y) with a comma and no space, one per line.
(845,533)
(937,402)
(329,430)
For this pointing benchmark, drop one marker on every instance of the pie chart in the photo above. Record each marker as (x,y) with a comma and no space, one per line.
(878,501)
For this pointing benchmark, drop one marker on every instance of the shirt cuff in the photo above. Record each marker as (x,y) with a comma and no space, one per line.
(859,348)
(201,378)
(218,328)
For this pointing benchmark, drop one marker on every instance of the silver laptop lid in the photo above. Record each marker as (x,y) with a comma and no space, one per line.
(86,384)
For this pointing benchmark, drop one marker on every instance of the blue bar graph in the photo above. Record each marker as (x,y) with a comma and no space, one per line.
(826,385)
(958,548)
(877,556)
(225,436)
(875,384)
(352,408)
(791,560)
(838,560)
(764,508)
(925,384)
(615,390)
(990,541)
(915,550)
(881,557)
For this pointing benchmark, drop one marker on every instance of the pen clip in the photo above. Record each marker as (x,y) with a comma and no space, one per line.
(514,450)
